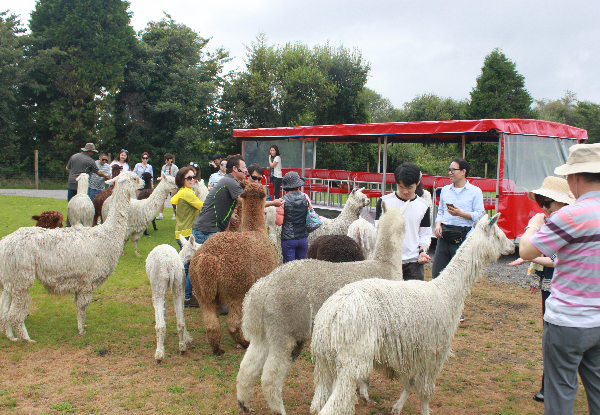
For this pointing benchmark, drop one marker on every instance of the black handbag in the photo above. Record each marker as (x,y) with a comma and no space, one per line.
(454,234)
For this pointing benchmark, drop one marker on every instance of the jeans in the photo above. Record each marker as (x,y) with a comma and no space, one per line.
(199,238)
(92,193)
(294,249)
(71,193)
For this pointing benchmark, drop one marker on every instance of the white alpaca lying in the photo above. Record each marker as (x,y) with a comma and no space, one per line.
(65,260)
(403,329)
(80,209)
(165,268)
(364,233)
(278,310)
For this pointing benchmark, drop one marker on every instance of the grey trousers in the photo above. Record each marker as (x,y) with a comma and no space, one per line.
(444,252)
(568,350)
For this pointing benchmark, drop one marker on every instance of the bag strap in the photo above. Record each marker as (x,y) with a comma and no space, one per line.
(308,200)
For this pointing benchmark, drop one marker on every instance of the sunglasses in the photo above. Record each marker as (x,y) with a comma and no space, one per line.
(191,178)
(144,158)
(257,178)
(103,159)
(452,170)
(545,204)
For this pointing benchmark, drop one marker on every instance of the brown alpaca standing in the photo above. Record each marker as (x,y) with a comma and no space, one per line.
(103,195)
(228,264)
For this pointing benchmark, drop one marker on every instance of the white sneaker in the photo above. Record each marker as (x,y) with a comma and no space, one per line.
(174,217)
(159,217)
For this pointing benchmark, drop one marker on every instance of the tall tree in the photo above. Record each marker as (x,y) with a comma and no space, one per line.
(430,107)
(563,110)
(379,109)
(500,90)
(589,119)
(90,41)
(168,100)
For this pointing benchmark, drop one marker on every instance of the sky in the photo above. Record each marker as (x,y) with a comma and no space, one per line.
(413,47)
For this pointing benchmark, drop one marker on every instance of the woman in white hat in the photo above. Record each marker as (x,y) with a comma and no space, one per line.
(552,196)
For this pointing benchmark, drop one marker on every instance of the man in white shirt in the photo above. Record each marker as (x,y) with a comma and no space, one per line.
(417,220)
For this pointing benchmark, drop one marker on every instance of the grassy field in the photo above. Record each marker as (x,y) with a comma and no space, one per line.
(496,366)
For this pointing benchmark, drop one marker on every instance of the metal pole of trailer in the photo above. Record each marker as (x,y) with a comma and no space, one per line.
(464,145)
(378,154)
(303,155)
(314,155)
(500,167)
(383,181)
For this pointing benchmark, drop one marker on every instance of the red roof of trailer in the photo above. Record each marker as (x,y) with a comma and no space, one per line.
(485,130)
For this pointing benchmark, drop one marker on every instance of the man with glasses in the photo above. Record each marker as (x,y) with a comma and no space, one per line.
(220,202)
(461,205)
(255,175)
(97,182)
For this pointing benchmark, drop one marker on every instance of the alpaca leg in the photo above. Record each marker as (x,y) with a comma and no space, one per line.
(17,311)
(275,370)
(210,313)
(250,369)
(343,396)
(158,299)
(82,299)
(154,224)
(136,237)
(397,408)
(425,390)
(363,389)
(234,324)
(5,301)
(185,339)
(323,386)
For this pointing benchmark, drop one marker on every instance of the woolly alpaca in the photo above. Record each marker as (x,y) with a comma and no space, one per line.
(50,219)
(274,232)
(142,212)
(404,329)
(279,309)
(80,209)
(338,226)
(335,248)
(200,190)
(364,234)
(145,194)
(103,196)
(64,260)
(164,267)
(227,265)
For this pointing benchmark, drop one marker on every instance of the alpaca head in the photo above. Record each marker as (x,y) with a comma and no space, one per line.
(489,238)
(254,191)
(128,181)
(147,178)
(168,181)
(188,248)
(356,201)
(83,178)
(116,170)
(50,219)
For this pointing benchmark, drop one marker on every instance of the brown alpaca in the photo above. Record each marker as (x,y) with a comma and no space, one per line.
(228,264)
(103,195)
(335,248)
(50,219)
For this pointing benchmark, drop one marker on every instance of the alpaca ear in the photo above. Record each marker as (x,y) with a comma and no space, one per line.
(192,240)
(403,208)
(494,219)
(183,241)
(243,195)
(163,176)
(383,207)
(111,181)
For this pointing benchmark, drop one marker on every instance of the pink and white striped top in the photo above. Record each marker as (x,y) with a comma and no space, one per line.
(573,234)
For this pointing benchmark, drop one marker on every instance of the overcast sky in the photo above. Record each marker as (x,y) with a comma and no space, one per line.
(414,47)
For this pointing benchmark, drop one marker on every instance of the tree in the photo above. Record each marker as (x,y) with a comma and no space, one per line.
(430,107)
(563,110)
(168,99)
(378,108)
(500,90)
(90,43)
(589,119)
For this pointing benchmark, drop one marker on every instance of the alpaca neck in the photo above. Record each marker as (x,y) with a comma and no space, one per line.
(158,196)
(82,187)
(350,211)
(253,216)
(388,245)
(117,216)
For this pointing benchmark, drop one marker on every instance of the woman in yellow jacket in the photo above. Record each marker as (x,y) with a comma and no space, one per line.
(188,207)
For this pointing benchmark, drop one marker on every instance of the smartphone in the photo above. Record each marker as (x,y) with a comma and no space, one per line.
(449,205)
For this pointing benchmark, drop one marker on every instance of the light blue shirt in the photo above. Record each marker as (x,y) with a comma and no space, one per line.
(469,200)
(214,178)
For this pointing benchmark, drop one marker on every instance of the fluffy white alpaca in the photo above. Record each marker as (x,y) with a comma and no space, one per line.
(164,267)
(278,310)
(403,329)
(80,209)
(65,260)
(200,190)
(337,226)
(364,233)
(142,212)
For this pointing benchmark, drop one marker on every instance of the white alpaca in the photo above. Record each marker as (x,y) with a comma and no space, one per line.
(142,212)
(403,329)
(80,209)
(65,260)
(278,310)
(165,268)
(338,226)
(364,233)
(200,190)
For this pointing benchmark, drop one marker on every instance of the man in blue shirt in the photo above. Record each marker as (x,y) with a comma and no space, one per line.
(461,205)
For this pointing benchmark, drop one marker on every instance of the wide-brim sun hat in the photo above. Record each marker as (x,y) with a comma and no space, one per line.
(292,180)
(554,188)
(583,158)
(89,147)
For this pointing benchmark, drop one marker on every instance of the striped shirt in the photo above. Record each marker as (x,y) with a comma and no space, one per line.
(573,233)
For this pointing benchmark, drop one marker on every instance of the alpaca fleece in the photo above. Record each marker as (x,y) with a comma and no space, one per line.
(165,268)
(279,309)
(65,260)
(80,209)
(364,234)
(50,219)
(103,195)
(403,329)
(335,248)
(228,264)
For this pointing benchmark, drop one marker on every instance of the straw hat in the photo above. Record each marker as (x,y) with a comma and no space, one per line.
(583,158)
(90,147)
(554,188)
(292,180)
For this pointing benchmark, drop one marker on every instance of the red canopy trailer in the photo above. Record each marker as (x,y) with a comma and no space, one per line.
(528,151)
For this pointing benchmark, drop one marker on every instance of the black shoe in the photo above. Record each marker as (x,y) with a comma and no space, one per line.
(191,302)
(539,397)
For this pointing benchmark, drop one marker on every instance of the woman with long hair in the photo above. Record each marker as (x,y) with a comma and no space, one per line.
(122,160)
(275,165)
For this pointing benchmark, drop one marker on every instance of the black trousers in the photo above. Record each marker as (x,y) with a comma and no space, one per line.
(444,252)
